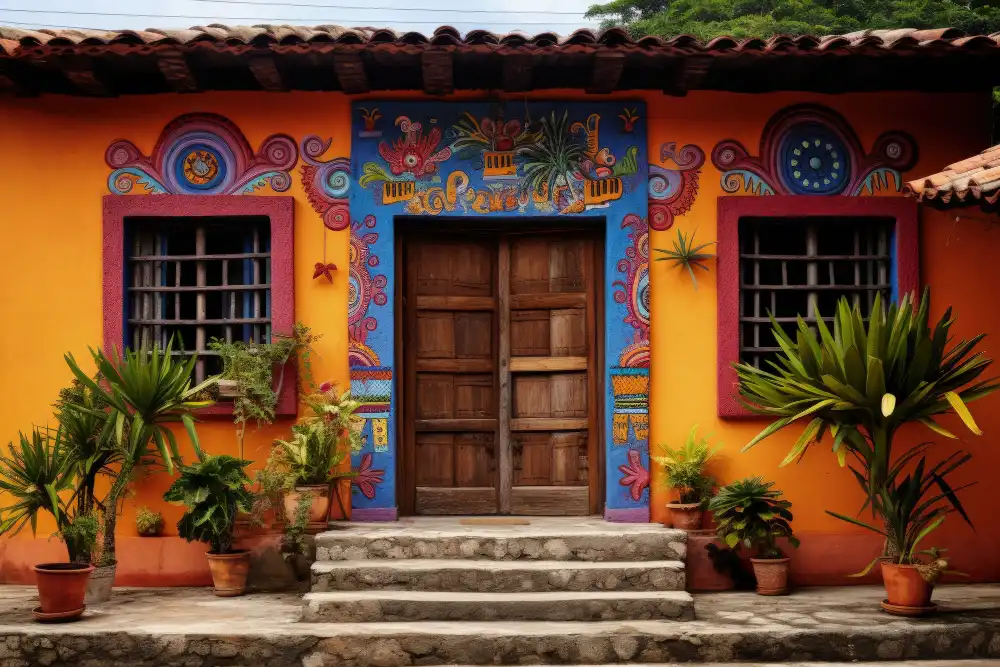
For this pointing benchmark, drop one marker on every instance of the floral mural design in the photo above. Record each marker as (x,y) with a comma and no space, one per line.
(635,476)
(202,154)
(367,478)
(809,149)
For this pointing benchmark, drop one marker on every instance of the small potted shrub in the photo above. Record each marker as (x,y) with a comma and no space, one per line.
(750,514)
(213,491)
(685,469)
(40,475)
(148,523)
(320,442)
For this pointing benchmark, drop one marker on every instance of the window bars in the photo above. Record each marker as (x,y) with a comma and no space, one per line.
(198,278)
(791,267)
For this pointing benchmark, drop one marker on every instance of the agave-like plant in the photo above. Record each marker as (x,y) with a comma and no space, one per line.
(686,255)
(555,157)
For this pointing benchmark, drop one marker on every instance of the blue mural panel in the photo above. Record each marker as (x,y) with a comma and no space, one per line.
(482,159)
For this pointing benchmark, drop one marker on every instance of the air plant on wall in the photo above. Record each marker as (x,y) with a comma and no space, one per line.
(685,254)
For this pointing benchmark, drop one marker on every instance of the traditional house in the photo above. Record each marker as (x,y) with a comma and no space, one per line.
(468,220)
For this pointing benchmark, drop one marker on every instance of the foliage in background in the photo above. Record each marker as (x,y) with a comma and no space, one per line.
(213,490)
(39,475)
(148,522)
(765,18)
(685,467)
(686,255)
(750,514)
(251,365)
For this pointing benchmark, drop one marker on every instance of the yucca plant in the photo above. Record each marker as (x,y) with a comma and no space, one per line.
(862,381)
(685,467)
(145,391)
(213,490)
(750,513)
(686,255)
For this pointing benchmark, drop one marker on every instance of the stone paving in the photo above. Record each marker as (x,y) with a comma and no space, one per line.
(192,628)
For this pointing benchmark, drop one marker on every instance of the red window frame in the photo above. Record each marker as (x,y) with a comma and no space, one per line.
(732,209)
(280,212)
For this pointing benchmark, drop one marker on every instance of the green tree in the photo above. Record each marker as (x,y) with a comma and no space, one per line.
(764,18)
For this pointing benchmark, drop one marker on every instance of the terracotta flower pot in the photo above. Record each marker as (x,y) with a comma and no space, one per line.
(319,509)
(904,587)
(772,575)
(61,588)
(100,584)
(229,572)
(685,516)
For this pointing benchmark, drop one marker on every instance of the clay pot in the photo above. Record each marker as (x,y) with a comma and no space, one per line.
(61,588)
(699,567)
(102,580)
(904,587)
(319,509)
(229,572)
(685,516)
(772,575)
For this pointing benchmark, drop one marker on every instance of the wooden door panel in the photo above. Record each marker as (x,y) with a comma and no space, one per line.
(530,334)
(474,459)
(475,397)
(434,451)
(473,335)
(568,333)
(569,394)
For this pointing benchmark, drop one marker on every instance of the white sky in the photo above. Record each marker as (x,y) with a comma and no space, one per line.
(561,16)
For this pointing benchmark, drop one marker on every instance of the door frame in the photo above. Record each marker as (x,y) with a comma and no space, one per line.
(594,228)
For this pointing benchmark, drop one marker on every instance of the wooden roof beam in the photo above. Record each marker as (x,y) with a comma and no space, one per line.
(690,74)
(438,76)
(350,71)
(79,69)
(607,71)
(265,70)
(517,70)
(174,67)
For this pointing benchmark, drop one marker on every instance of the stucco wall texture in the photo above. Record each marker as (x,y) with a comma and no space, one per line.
(54,177)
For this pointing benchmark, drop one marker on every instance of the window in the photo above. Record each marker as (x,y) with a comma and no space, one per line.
(796,255)
(198,279)
(198,267)
(803,266)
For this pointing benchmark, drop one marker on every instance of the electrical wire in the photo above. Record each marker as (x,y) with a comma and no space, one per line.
(298,19)
(392,9)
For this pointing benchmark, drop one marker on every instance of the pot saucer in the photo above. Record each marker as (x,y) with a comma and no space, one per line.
(899,610)
(57,617)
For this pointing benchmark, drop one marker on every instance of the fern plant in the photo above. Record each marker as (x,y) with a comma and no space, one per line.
(685,467)
(686,255)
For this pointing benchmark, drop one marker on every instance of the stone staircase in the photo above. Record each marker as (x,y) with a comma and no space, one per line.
(434,576)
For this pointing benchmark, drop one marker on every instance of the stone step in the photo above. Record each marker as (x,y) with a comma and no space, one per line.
(588,539)
(497,576)
(381,605)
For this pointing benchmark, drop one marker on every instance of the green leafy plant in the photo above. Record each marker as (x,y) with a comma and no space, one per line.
(750,513)
(685,467)
(251,366)
(553,159)
(148,522)
(686,255)
(140,395)
(213,490)
(39,474)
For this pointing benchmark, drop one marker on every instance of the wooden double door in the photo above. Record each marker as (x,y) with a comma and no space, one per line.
(500,358)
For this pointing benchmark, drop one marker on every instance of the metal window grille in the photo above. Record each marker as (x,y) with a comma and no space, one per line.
(801,266)
(198,279)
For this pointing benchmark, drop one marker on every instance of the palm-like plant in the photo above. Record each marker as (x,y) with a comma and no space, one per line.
(555,157)
(685,467)
(145,391)
(750,513)
(214,490)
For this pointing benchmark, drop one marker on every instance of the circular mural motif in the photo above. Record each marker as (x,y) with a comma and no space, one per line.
(201,168)
(813,160)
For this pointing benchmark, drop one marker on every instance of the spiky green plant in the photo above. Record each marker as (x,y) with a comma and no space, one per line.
(685,467)
(750,513)
(686,255)
(555,157)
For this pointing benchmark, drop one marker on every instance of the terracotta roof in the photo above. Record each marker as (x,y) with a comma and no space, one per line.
(77,61)
(973,180)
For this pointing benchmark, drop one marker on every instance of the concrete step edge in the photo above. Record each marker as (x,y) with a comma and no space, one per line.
(486,598)
(435,565)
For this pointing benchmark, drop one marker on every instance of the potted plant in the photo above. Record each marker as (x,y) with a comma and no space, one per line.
(148,523)
(320,442)
(137,397)
(913,506)
(40,475)
(863,381)
(685,472)
(213,490)
(751,514)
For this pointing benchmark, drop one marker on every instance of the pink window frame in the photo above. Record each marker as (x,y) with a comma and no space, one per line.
(280,212)
(732,209)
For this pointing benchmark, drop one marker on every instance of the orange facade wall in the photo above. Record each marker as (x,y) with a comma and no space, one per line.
(50,295)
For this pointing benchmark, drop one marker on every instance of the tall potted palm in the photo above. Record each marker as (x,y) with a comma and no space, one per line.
(860,383)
